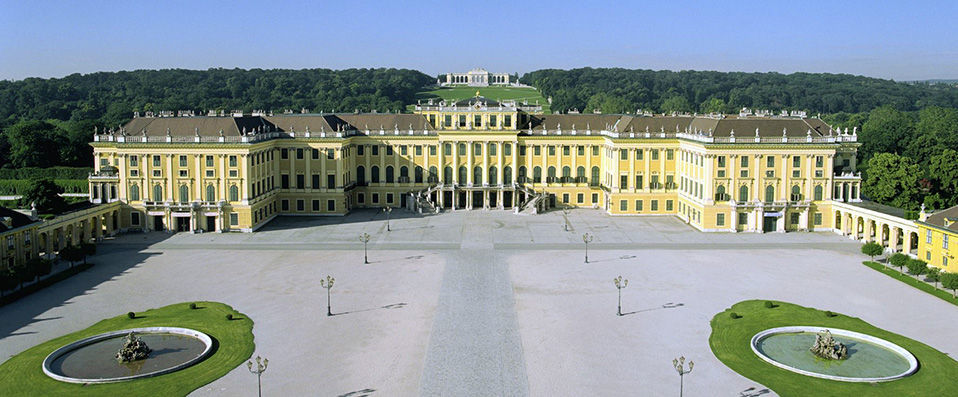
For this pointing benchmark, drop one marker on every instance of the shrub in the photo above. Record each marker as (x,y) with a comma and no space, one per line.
(769,304)
(872,250)
(734,315)
(131,315)
(229,317)
(829,313)
(192,306)
(899,260)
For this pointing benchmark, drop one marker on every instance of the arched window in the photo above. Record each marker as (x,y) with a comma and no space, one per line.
(404,172)
(595,176)
(389,174)
(361,175)
(234,193)
(536,174)
(447,174)
(507,175)
(374,174)
(522,173)
(580,172)
(566,172)
(462,174)
(210,193)
(493,176)
(157,193)
(184,194)
(134,193)
(552,172)
(720,193)
(477,175)
(769,194)
(819,192)
(743,194)
(433,174)
(796,193)
(418,173)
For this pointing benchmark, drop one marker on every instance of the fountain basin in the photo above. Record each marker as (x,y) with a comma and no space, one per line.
(91,360)
(870,359)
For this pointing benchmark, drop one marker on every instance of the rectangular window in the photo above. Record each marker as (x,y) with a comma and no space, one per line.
(447,120)
(284,205)
(796,173)
(300,181)
(796,161)
(595,150)
(476,121)
(232,161)
(818,218)
(522,150)
(770,161)
(580,150)
(184,173)
(743,173)
(284,181)
(330,154)
(477,148)
(462,121)
(819,161)
(579,198)
(361,198)
(638,181)
(623,182)
(669,205)
(389,198)
(928,237)
(595,198)
(552,150)
(330,181)
(315,205)
(234,219)
(156,161)
(721,161)
(720,219)
(182,161)
(134,218)
(928,256)
(795,218)
(655,205)
(375,198)
(744,162)
(507,120)
(623,205)
(565,198)
(233,173)
(389,151)
(492,120)
(134,161)
(655,154)
(315,181)
(284,153)
(669,154)
(432,150)
(210,173)
(565,150)
(507,149)
(639,154)
(742,218)
(944,261)
(315,154)
(944,241)
(301,205)
(330,205)
(624,154)
(209,161)
(638,205)
(361,150)
(536,150)
(375,150)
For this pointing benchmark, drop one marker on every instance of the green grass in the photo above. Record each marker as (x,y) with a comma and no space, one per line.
(730,342)
(497,93)
(23,375)
(893,273)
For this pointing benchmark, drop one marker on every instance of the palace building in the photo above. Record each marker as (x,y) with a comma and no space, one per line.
(751,172)
(478,77)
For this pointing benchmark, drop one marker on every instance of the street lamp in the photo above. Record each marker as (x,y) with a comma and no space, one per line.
(328,284)
(679,364)
(619,284)
(388,210)
(260,368)
(587,238)
(364,238)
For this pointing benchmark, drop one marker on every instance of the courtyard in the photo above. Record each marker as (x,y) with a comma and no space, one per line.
(479,302)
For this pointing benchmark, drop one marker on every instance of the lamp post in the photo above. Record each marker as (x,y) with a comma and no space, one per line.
(328,284)
(260,368)
(364,238)
(388,210)
(619,284)
(587,238)
(679,364)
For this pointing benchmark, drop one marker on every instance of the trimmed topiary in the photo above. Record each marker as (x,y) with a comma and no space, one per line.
(229,317)
(734,315)
(829,313)
(192,306)
(131,315)
(769,304)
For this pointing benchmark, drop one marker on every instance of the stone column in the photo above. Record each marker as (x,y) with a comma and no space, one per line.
(469,165)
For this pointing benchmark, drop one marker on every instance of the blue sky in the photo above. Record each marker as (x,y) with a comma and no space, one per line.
(902,41)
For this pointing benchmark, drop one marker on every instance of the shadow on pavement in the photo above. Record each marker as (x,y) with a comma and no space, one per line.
(669,305)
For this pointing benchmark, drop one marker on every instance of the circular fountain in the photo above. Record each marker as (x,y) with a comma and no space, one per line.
(95,359)
(864,358)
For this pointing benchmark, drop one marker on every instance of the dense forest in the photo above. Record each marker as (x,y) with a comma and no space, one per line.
(624,90)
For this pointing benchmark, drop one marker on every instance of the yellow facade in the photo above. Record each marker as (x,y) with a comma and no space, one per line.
(477,153)
(937,237)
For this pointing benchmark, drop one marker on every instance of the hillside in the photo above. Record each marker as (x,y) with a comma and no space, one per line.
(498,93)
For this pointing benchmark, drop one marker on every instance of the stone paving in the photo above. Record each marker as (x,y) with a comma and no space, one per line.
(478,303)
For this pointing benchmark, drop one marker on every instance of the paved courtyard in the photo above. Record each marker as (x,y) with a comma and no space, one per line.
(479,303)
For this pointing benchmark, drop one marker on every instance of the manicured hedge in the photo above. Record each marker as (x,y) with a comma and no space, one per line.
(43,283)
(18,186)
(52,172)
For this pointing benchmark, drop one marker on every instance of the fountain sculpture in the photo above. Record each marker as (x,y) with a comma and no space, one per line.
(133,349)
(828,348)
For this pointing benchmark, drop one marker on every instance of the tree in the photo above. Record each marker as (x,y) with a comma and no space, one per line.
(88,249)
(943,172)
(8,280)
(886,131)
(46,195)
(893,180)
(934,275)
(33,144)
(916,267)
(897,259)
(675,103)
(714,105)
(950,281)
(872,250)
(607,104)
(24,273)
(71,254)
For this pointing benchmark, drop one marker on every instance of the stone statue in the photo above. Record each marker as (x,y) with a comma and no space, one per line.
(133,349)
(828,348)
